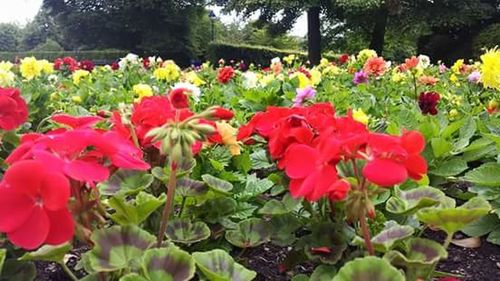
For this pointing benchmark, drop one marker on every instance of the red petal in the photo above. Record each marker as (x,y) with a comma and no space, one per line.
(294,187)
(300,161)
(416,166)
(55,191)
(339,190)
(413,142)
(25,176)
(318,184)
(62,227)
(33,232)
(86,171)
(385,172)
(15,209)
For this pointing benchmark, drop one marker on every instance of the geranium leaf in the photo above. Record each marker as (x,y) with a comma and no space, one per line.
(217,185)
(48,253)
(323,272)
(450,168)
(214,210)
(217,265)
(409,202)
(275,207)
(117,247)
(283,228)
(485,175)
(190,188)
(250,233)
(3,255)
(368,268)
(132,277)
(452,220)
(390,235)
(254,187)
(14,270)
(134,211)
(169,263)
(186,232)
(326,243)
(126,182)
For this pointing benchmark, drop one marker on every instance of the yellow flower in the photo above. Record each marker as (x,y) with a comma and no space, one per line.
(6,65)
(303,80)
(76,99)
(47,67)
(324,62)
(453,78)
(360,116)
(331,70)
(315,76)
(453,113)
(365,54)
(168,72)
(266,80)
(142,90)
(78,75)
(6,78)
(398,77)
(228,135)
(30,68)
(194,79)
(54,96)
(457,65)
(491,69)
(289,59)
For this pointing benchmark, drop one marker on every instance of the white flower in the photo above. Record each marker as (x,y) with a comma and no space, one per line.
(52,78)
(128,60)
(276,60)
(250,80)
(423,61)
(195,91)
(6,78)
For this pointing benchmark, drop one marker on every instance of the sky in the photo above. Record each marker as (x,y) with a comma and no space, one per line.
(22,11)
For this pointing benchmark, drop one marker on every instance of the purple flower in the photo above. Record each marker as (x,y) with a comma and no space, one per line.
(442,68)
(303,94)
(474,77)
(360,77)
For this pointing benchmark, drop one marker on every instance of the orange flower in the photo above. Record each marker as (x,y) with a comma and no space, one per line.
(428,80)
(409,64)
(375,66)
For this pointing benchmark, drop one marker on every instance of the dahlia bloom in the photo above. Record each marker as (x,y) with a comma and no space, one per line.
(225,74)
(30,68)
(428,101)
(474,77)
(304,94)
(490,69)
(375,66)
(360,77)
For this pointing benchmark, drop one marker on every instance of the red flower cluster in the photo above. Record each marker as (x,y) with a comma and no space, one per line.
(13,109)
(225,74)
(67,63)
(428,101)
(178,98)
(309,142)
(33,205)
(87,65)
(343,59)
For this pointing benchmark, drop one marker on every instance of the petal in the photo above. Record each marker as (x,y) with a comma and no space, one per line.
(300,160)
(62,227)
(413,142)
(49,160)
(320,182)
(31,234)
(55,191)
(15,208)
(86,171)
(385,172)
(16,176)
(294,187)
(416,166)
(338,190)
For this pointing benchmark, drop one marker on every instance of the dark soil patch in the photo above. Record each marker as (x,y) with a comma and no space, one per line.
(50,271)
(479,264)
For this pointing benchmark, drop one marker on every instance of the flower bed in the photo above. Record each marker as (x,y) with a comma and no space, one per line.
(356,167)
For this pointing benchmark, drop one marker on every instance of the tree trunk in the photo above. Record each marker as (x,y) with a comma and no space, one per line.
(314,35)
(378,34)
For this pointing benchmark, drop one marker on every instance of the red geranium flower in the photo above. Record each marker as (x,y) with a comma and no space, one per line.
(76,122)
(178,98)
(33,209)
(225,74)
(428,101)
(13,109)
(223,114)
(391,159)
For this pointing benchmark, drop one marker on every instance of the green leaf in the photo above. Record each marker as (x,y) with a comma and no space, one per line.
(326,243)
(250,233)
(440,147)
(243,162)
(494,237)
(275,207)
(48,253)
(467,131)
(482,226)
(244,210)
(254,187)
(117,247)
(450,168)
(126,182)
(259,160)
(487,175)
(368,268)
(217,185)
(130,277)
(323,273)
(14,270)
(169,263)
(283,229)
(3,255)
(452,220)
(213,210)
(390,235)
(136,211)
(186,232)
(409,202)
(217,265)
(190,188)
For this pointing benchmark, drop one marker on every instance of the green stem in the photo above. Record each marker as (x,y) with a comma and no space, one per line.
(415,86)
(172,182)
(68,271)
(183,204)
(447,242)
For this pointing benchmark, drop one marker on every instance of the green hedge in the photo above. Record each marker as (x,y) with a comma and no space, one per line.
(487,38)
(251,54)
(104,55)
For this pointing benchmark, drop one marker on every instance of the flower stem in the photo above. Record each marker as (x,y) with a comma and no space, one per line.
(366,234)
(415,86)
(172,182)
(68,271)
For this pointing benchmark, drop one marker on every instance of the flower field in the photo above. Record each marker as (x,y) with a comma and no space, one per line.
(355,169)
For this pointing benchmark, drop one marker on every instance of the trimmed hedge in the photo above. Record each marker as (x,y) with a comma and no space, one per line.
(251,54)
(104,55)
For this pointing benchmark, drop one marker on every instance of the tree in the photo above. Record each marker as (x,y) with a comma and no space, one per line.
(9,36)
(41,29)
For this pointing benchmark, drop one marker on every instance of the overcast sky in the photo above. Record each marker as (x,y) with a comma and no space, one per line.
(22,11)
